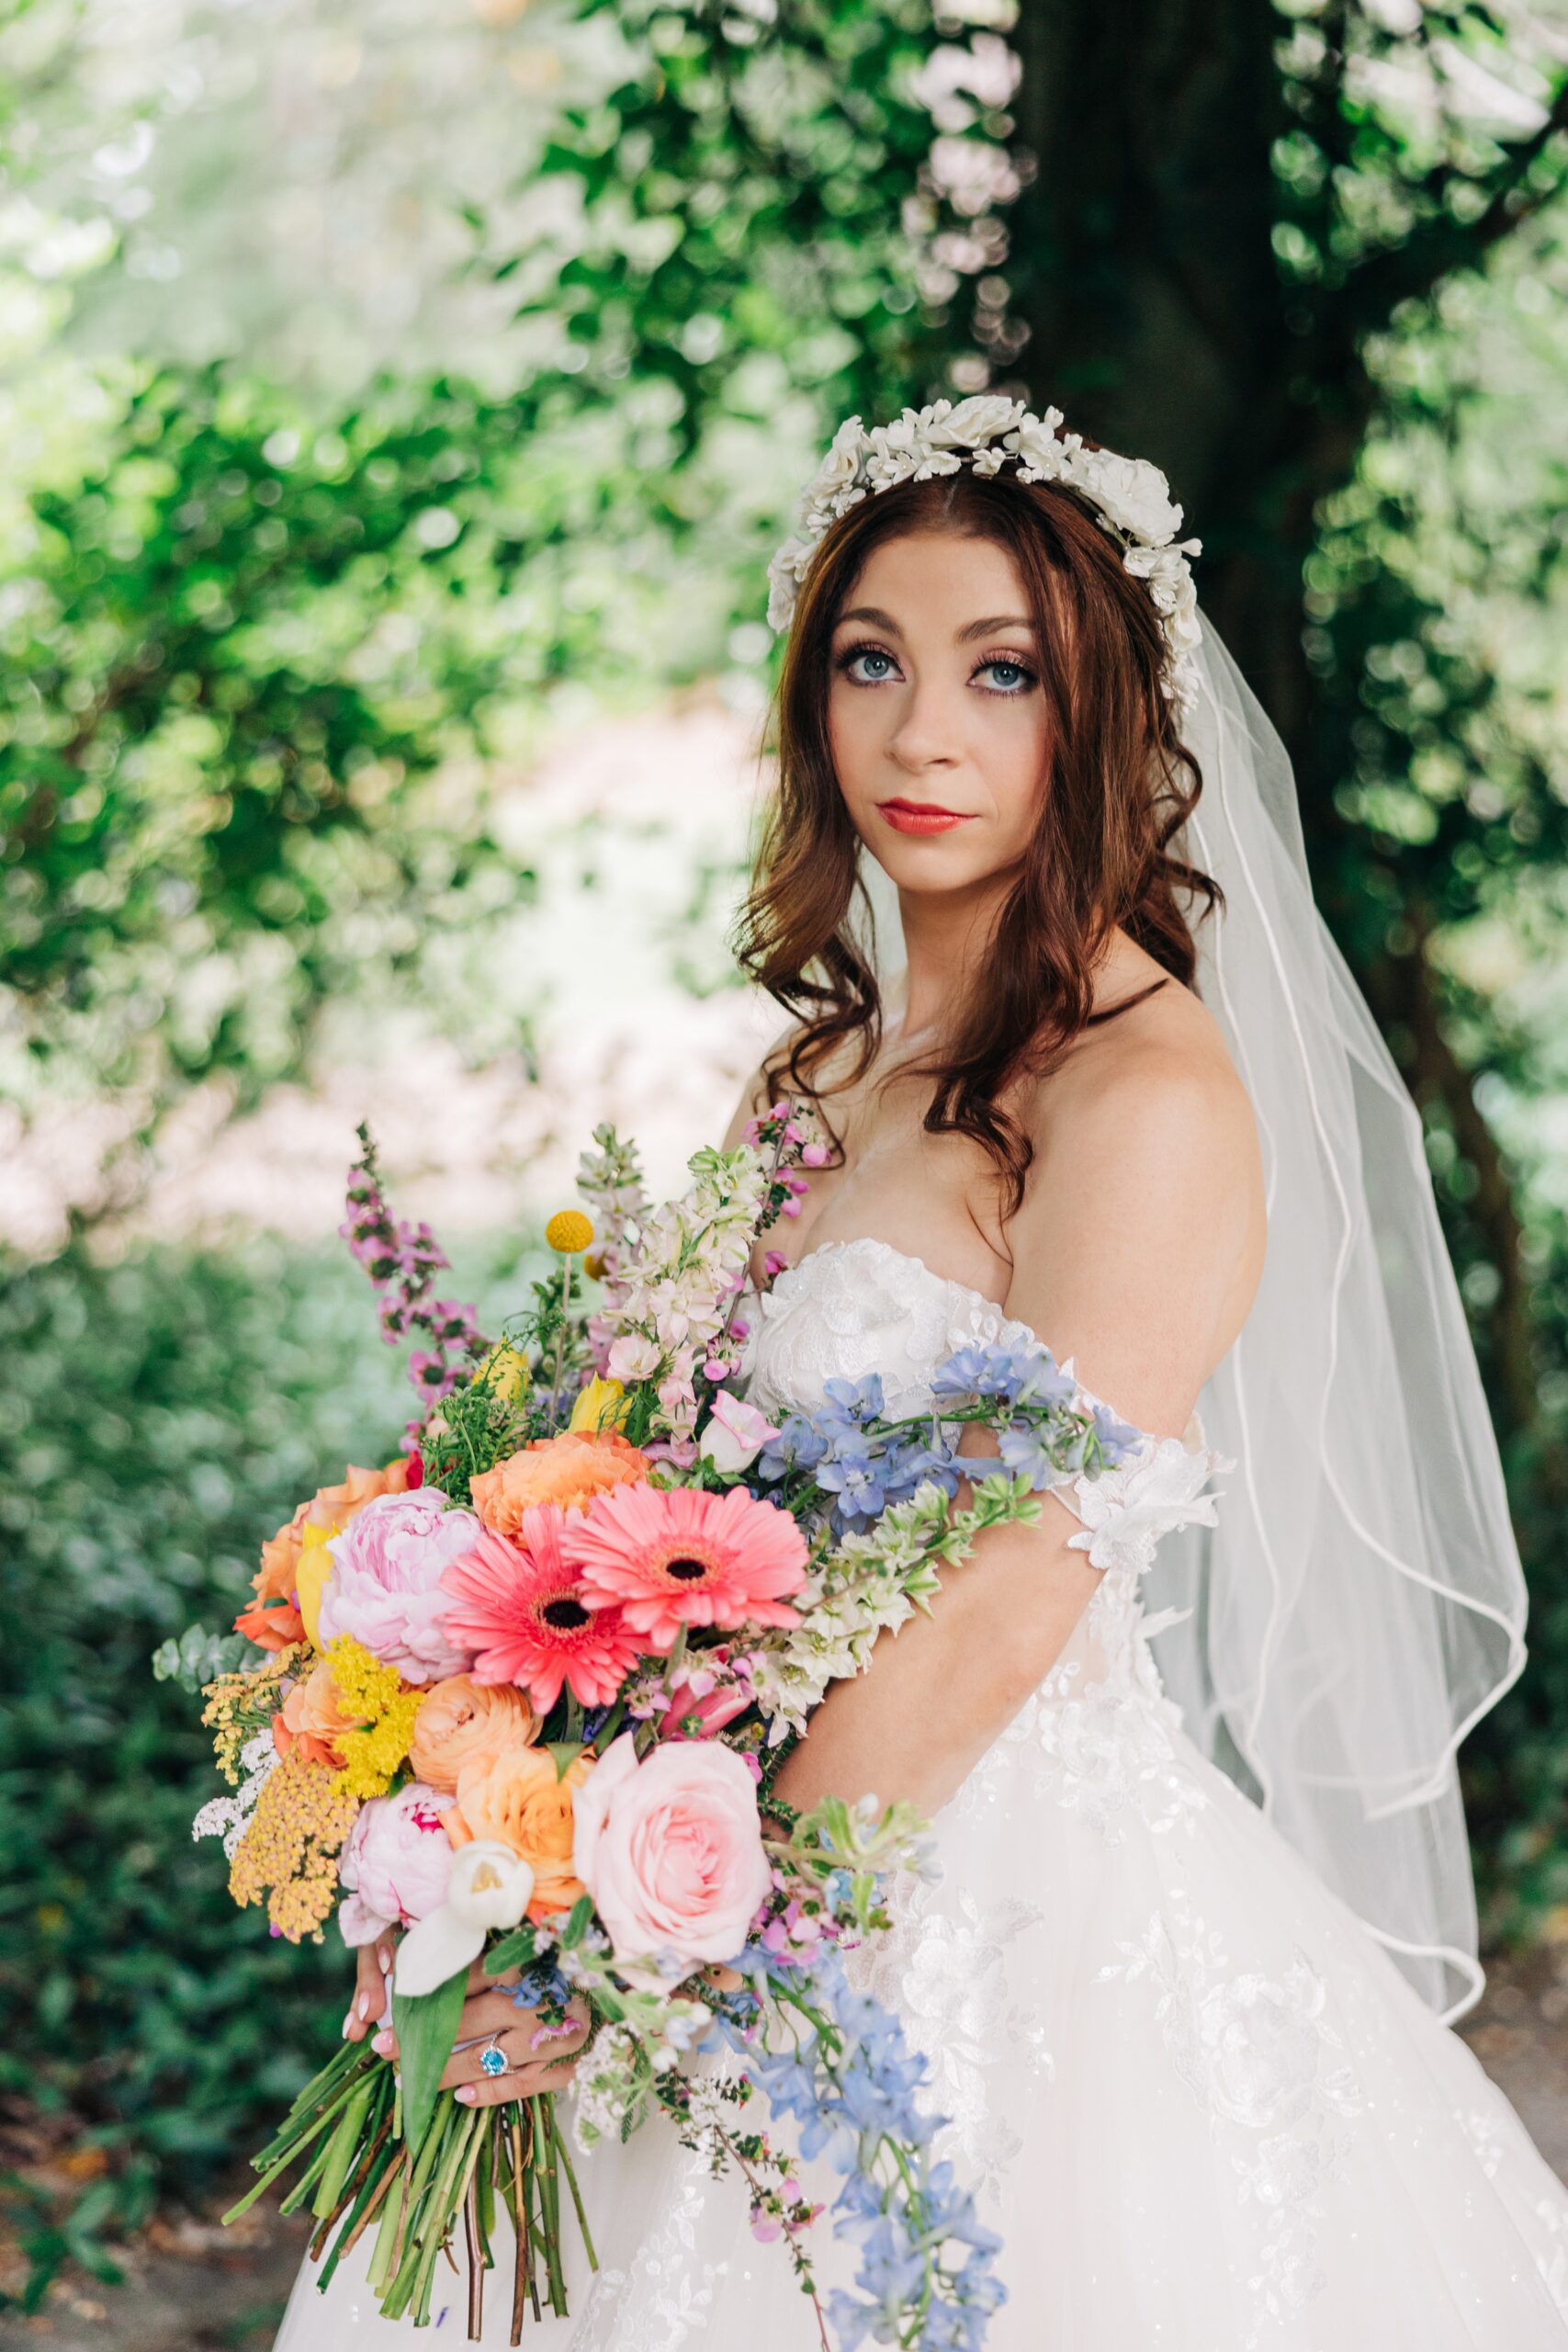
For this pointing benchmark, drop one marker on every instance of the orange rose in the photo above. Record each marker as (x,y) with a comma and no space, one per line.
(519,1800)
(568,1469)
(311,1719)
(463,1723)
(330,1507)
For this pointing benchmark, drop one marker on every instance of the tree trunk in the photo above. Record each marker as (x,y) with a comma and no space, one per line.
(1143,260)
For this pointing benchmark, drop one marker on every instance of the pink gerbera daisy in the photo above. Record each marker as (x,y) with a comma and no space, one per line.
(668,1558)
(519,1605)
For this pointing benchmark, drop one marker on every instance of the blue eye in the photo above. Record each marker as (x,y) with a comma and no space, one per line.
(858,654)
(1023,675)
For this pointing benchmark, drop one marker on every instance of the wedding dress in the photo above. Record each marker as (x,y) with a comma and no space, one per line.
(1203,2106)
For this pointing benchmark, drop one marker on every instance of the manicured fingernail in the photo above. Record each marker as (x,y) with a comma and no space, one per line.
(382,2043)
(385,1957)
(346,2023)
(466,2095)
(363,2004)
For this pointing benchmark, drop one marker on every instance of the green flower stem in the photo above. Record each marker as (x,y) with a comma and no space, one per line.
(569,2169)
(390,2229)
(385,2159)
(296,2135)
(343,2149)
(545,2167)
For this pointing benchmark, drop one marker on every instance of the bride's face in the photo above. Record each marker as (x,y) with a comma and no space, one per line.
(936,718)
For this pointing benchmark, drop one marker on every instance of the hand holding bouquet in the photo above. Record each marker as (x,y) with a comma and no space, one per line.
(517,1700)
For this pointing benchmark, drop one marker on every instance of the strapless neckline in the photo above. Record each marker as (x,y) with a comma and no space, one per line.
(906,1258)
(1010,1328)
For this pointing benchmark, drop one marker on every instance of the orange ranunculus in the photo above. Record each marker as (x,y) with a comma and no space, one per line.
(567,1469)
(461,1723)
(330,1507)
(519,1800)
(311,1719)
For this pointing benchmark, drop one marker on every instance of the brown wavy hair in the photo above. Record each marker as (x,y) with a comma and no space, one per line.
(1121,785)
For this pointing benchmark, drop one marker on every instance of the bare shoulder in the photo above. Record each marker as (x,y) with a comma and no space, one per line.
(1155,1088)
(1141,1239)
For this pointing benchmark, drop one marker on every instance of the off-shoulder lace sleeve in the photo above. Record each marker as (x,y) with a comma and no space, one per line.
(1160,1484)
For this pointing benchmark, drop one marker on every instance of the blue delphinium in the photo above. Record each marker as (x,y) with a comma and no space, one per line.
(851,2086)
(799,1445)
(541,1983)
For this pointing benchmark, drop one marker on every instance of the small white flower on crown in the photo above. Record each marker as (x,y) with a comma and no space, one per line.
(1131,497)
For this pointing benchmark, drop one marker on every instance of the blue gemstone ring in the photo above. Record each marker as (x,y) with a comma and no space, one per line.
(493,2059)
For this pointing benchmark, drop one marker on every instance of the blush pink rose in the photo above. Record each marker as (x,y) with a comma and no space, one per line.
(671,1850)
(385,1584)
(396,1863)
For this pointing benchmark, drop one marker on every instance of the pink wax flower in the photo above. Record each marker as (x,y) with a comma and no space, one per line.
(775,1263)
(684,1557)
(815,1154)
(385,1584)
(671,1850)
(396,1863)
(520,1608)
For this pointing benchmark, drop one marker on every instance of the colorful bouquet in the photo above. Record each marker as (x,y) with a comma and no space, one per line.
(522,1695)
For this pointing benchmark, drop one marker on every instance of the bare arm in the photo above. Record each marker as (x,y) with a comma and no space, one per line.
(1131,1257)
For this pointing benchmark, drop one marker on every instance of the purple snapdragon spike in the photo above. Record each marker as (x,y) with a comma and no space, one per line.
(402,1261)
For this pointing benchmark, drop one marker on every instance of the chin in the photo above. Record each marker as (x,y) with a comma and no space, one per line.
(931,868)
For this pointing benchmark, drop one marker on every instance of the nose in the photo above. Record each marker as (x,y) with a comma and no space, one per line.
(927,731)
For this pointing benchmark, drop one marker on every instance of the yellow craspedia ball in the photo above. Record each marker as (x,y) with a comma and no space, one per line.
(569,1230)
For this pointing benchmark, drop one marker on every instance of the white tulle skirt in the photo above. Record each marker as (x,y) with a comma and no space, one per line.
(1200,2103)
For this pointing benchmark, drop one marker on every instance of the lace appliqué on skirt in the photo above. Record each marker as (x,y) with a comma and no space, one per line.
(663,2297)
(1264,2060)
(944,1970)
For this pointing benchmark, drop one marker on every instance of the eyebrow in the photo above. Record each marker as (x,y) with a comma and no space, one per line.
(874,614)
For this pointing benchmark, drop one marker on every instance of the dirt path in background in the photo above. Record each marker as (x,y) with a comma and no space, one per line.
(194,2288)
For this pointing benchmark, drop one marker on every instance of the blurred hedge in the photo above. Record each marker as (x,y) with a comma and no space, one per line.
(158,1417)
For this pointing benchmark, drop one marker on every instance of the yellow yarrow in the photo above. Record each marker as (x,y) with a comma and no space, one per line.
(238,1704)
(385,1707)
(291,1844)
(569,1231)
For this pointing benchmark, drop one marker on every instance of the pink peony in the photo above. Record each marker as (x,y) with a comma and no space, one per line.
(396,1863)
(385,1584)
(520,1607)
(671,1850)
(682,1557)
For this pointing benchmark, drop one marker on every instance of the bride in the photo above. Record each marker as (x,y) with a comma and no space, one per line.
(1204,1917)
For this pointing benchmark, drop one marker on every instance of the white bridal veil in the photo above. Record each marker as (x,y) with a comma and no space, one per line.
(1359,1603)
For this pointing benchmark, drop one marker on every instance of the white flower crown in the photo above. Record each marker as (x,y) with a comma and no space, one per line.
(1131,499)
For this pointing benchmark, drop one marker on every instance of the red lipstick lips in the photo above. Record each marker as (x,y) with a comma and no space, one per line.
(920,816)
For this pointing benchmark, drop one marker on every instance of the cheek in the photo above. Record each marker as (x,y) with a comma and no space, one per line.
(1017,757)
